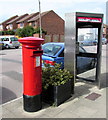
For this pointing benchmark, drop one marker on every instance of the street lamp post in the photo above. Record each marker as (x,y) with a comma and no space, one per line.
(40,19)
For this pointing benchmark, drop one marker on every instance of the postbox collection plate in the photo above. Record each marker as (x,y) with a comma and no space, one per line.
(37,61)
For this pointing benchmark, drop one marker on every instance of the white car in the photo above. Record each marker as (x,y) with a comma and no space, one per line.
(86,42)
(10,42)
(104,41)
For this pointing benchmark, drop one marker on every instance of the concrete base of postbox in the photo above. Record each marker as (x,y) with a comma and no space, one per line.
(32,103)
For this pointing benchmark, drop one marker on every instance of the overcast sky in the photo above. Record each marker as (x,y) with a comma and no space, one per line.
(9,8)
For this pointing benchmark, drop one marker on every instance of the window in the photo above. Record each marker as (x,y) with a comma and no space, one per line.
(33,24)
(14,39)
(11,26)
(51,49)
(1,27)
(62,54)
(5,39)
(21,25)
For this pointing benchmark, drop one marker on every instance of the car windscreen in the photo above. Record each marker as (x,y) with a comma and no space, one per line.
(50,49)
(14,39)
(5,39)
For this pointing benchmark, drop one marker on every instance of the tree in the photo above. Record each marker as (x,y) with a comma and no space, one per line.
(19,32)
(25,32)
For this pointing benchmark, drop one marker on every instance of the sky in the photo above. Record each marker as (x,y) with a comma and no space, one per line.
(9,8)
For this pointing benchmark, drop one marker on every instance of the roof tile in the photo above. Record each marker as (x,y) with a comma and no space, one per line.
(27,17)
(37,17)
(17,18)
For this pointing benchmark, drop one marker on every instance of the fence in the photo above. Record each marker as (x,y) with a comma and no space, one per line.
(53,38)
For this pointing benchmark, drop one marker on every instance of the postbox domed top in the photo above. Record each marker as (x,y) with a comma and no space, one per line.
(31,41)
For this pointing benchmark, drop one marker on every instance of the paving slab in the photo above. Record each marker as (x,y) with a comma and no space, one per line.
(78,106)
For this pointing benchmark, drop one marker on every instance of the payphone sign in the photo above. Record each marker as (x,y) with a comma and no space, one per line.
(89,19)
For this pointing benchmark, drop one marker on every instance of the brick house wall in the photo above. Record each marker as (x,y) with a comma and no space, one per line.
(52,23)
(4,24)
(18,25)
(15,26)
(24,21)
(13,22)
(34,24)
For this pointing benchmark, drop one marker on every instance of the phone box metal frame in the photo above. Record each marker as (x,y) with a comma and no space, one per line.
(76,20)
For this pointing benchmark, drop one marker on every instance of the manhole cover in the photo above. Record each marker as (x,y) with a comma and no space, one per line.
(93,96)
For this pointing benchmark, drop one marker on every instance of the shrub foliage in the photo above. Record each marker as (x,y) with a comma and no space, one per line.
(54,76)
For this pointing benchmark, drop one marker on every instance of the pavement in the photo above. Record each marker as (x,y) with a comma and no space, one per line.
(78,106)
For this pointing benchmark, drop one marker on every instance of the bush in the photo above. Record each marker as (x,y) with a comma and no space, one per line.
(54,76)
(37,30)
(19,32)
(1,32)
(25,32)
(9,32)
(28,31)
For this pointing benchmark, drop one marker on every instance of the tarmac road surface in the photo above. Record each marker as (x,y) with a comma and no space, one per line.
(11,74)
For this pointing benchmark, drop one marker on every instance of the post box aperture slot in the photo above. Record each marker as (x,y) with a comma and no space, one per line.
(35,52)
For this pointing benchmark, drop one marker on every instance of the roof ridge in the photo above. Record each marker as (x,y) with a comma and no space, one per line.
(9,19)
(17,18)
(37,17)
(27,17)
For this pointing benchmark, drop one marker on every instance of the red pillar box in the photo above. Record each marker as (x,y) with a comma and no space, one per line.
(32,73)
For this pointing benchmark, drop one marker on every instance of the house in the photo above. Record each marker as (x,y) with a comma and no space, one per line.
(12,25)
(50,22)
(24,21)
(3,25)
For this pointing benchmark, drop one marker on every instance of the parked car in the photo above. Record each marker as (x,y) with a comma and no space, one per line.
(10,41)
(54,53)
(88,42)
(95,42)
(104,41)
(1,45)
(92,42)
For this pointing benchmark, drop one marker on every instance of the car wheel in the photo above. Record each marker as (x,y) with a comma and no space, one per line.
(17,47)
(7,46)
(81,44)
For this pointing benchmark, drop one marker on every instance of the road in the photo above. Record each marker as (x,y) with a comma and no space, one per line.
(11,72)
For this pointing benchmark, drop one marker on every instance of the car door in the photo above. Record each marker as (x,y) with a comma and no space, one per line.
(60,59)
(83,63)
